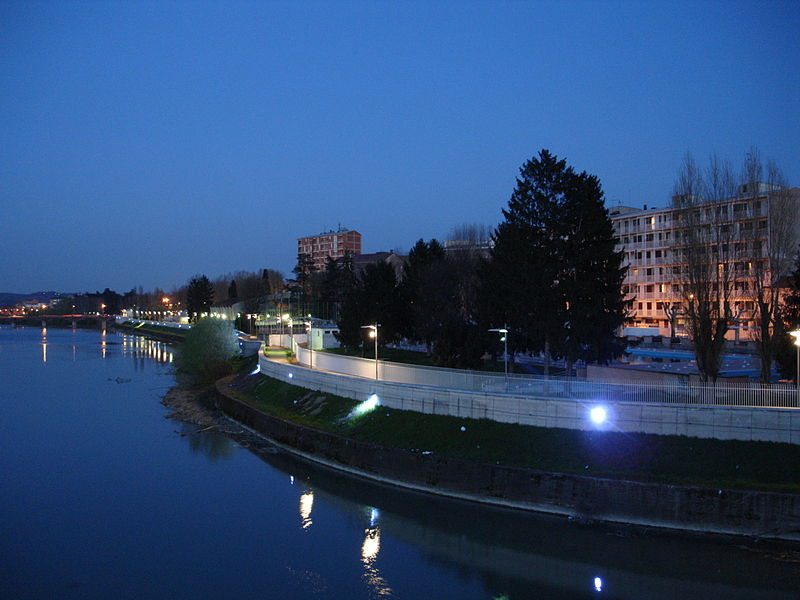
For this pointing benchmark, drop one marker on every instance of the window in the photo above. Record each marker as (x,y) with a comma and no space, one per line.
(648,289)
(659,306)
(647,255)
(658,253)
(640,306)
(648,237)
(649,306)
(649,272)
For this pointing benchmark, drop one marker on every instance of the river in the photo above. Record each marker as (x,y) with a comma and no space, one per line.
(103,497)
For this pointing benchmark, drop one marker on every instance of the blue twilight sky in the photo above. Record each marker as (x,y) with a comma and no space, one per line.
(142,143)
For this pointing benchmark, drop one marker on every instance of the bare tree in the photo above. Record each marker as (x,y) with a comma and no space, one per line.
(705,247)
(771,236)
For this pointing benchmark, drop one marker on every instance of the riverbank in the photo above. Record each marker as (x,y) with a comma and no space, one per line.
(161,333)
(755,513)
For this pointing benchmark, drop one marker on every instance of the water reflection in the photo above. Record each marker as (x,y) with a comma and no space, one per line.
(44,344)
(214,446)
(306,505)
(518,555)
(142,348)
(369,555)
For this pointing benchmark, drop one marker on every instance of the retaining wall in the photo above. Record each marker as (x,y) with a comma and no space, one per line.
(720,422)
(689,508)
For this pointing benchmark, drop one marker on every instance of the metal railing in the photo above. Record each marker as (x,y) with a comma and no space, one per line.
(728,394)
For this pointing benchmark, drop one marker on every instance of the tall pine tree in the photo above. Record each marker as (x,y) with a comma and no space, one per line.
(553,276)
(199,297)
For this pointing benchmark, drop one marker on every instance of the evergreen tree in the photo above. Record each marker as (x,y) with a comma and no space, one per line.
(419,291)
(553,276)
(373,299)
(232,292)
(199,297)
(303,272)
(786,354)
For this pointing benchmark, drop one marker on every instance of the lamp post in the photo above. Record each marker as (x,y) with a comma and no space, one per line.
(310,342)
(504,339)
(373,333)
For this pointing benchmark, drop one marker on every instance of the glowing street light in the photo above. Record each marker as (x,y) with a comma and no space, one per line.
(373,333)
(504,338)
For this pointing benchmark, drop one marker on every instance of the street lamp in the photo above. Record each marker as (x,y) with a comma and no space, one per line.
(504,339)
(373,333)
(796,335)
(310,342)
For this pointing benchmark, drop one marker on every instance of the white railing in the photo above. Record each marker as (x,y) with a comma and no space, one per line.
(172,324)
(729,394)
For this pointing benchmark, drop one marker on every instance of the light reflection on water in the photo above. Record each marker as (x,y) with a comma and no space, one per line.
(142,347)
(170,491)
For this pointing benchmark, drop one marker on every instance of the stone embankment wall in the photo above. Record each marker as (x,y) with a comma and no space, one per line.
(768,514)
(720,422)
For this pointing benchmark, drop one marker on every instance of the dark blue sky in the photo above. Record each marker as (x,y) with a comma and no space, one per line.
(141,143)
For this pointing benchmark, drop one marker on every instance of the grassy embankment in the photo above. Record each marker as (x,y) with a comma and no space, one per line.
(667,459)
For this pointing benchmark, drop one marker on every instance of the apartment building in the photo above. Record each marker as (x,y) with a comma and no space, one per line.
(653,240)
(330,243)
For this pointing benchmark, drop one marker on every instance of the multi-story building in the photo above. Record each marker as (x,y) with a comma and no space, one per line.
(655,247)
(330,243)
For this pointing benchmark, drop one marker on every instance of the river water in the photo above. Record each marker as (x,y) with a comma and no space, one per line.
(102,497)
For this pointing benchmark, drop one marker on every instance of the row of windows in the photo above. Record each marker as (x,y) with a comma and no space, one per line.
(677,306)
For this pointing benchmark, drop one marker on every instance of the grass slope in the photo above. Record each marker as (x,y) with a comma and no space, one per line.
(644,457)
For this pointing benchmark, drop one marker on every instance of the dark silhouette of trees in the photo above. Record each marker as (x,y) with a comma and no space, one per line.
(373,299)
(199,297)
(553,275)
(786,354)
(422,291)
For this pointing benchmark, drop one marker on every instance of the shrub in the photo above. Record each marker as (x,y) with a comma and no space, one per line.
(207,352)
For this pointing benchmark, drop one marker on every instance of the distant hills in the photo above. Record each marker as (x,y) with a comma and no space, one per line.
(10,299)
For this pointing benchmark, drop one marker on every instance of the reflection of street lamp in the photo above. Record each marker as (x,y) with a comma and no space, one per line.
(504,339)
(373,333)
(796,335)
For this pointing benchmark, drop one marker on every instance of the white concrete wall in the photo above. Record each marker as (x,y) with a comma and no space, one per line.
(720,422)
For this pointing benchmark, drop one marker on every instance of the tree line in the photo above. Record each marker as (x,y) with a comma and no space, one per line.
(736,246)
(551,276)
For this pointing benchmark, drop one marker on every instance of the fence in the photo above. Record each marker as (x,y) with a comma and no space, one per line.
(568,405)
(734,394)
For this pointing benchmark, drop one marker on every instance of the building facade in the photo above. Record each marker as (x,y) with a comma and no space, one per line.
(740,246)
(331,243)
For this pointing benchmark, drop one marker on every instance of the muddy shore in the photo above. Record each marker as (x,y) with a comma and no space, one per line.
(196,406)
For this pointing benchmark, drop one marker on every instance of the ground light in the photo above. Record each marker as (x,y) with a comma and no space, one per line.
(365,407)
(598,415)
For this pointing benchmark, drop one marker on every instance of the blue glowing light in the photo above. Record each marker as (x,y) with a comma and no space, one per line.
(598,415)
(598,584)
